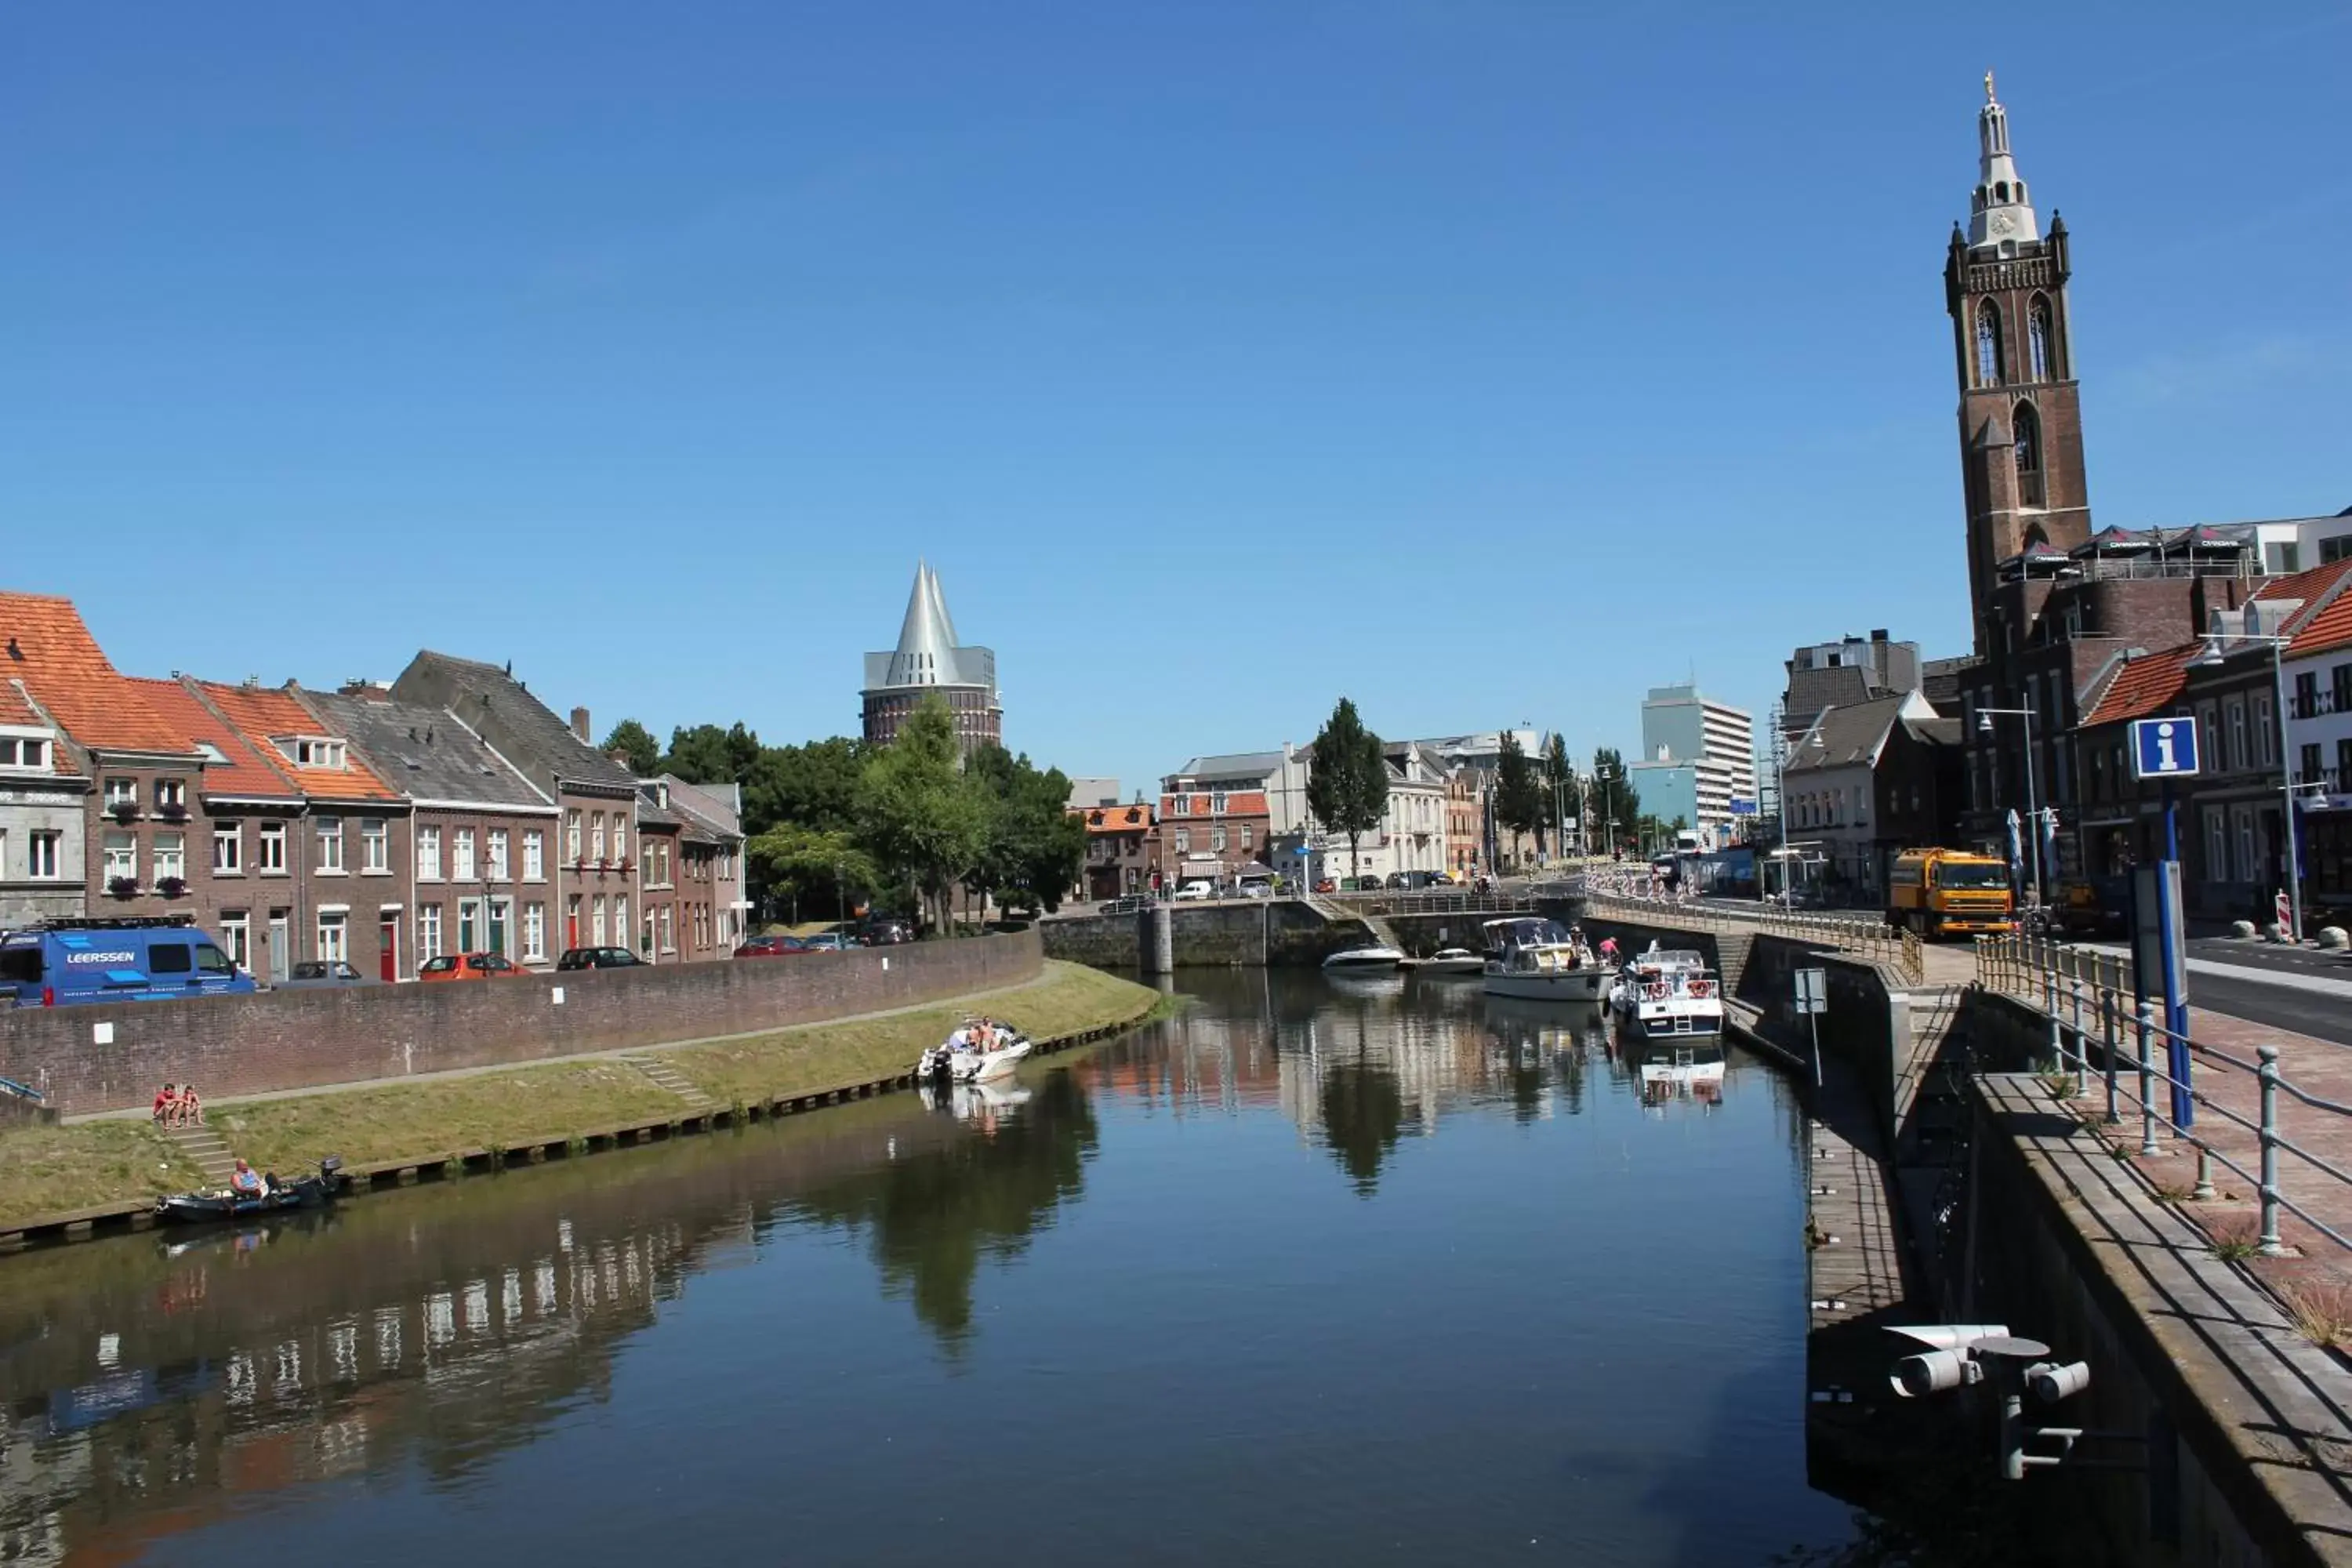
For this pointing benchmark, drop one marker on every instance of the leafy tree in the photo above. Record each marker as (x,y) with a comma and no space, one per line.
(707,754)
(810,865)
(1035,847)
(815,784)
(1613,794)
(924,823)
(1348,778)
(1520,804)
(637,746)
(1560,784)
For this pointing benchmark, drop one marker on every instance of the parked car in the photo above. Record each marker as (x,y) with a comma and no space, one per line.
(777,945)
(1196,889)
(1327,886)
(598,958)
(471,966)
(833,941)
(888,930)
(1399,879)
(1256,889)
(61,963)
(319,975)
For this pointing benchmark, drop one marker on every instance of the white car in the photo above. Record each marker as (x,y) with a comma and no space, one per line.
(1197,889)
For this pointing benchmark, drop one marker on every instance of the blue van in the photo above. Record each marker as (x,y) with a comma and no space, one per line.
(61,963)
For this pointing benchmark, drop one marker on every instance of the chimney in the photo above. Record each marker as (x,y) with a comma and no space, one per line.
(580,724)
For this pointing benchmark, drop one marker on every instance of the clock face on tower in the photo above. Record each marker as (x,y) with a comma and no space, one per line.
(2002,223)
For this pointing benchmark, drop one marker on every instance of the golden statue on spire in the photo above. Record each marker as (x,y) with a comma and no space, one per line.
(1988,86)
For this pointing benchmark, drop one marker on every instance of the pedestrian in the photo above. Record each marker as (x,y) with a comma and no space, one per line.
(167,1104)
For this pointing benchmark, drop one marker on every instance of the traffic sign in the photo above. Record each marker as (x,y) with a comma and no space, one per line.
(2164,748)
(1813,991)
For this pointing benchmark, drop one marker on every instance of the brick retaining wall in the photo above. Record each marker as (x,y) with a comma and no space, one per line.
(300,1040)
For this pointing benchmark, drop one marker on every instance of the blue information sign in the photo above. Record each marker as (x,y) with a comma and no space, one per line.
(2164,748)
(1742,807)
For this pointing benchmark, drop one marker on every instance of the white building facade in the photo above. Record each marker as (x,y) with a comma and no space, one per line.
(1679,725)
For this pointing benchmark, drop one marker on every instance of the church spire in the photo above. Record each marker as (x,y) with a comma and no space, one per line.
(926,652)
(1998,212)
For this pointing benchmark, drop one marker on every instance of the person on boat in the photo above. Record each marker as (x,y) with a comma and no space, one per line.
(1609,949)
(244,1182)
(167,1104)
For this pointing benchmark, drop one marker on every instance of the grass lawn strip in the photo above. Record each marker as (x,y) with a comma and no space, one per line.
(46,1171)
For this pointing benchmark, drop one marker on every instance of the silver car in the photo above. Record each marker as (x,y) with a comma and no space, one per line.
(317,975)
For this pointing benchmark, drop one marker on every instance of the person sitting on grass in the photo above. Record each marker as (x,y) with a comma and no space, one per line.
(192,1110)
(167,1104)
(244,1182)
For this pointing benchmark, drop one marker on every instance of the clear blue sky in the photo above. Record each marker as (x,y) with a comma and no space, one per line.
(1486,362)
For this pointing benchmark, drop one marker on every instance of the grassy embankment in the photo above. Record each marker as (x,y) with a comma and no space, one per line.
(46,1171)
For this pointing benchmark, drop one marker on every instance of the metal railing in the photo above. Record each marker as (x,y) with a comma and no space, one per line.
(2085,996)
(1872,940)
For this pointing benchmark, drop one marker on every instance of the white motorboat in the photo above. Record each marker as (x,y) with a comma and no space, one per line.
(972,1054)
(1371,959)
(1666,993)
(1539,960)
(1451,960)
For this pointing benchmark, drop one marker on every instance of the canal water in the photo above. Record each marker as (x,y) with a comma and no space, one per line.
(1317,1272)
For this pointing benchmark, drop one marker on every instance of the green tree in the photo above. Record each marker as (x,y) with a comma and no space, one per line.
(810,866)
(1348,778)
(636,745)
(924,823)
(815,786)
(1562,789)
(1520,804)
(1614,794)
(1036,846)
(707,754)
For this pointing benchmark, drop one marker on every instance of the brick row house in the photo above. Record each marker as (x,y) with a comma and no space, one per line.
(41,812)
(1120,844)
(479,844)
(706,877)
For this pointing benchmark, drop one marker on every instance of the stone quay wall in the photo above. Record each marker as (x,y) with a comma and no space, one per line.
(112,1058)
(1248,934)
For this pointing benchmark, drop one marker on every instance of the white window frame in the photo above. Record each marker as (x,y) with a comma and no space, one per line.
(120,850)
(596,837)
(228,849)
(494,853)
(620,920)
(375,845)
(429,932)
(119,790)
(44,855)
(461,855)
(470,930)
(596,921)
(534,855)
(2265,731)
(620,839)
(171,854)
(332,937)
(330,845)
(572,833)
(429,852)
(236,937)
(269,849)
(170,792)
(534,931)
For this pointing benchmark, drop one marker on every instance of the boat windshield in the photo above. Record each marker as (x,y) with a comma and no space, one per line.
(1527,933)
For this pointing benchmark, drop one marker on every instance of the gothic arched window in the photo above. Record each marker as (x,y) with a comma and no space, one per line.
(2038,340)
(2027,425)
(1988,345)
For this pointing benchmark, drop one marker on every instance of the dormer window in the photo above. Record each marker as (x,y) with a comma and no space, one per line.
(314,751)
(25,753)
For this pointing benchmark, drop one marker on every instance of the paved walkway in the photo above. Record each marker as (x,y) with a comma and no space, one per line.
(137,1114)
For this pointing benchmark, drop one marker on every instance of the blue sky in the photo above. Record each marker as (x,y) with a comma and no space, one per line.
(1484,361)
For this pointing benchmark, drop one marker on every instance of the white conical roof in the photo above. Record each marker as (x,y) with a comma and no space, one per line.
(1999,210)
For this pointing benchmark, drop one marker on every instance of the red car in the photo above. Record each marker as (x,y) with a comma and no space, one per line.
(771,947)
(472,966)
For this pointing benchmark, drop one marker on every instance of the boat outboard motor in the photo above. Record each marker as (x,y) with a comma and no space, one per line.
(331,1170)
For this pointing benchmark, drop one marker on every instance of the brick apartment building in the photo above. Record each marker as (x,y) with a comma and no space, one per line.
(594,892)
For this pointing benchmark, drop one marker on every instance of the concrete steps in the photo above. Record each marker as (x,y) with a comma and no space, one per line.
(1731,950)
(667,1077)
(203,1148)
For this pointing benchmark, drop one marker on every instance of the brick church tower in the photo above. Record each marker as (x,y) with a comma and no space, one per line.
(2021,413)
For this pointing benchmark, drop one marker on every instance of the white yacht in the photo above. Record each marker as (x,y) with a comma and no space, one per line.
(1542,960)
(1451,960)
(1371,959)
(1666,993)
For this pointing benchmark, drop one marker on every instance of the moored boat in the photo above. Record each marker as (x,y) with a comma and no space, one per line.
(1668,992)
(979,1049)
(1539,960)
(1451,960)
(278,1197)
(1372,957)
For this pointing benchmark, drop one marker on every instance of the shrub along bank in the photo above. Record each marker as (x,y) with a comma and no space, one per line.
(46,1171)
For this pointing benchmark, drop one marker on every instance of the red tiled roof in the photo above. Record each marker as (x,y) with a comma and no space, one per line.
(262,714)
(2144,685)
(2330,625)
(1113,818)
(245,773)
(16,708)
(44,644)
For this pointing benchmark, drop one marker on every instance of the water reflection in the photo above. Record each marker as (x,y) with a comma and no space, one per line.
(169,1395)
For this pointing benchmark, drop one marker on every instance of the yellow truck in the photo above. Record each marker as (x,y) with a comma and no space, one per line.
(1949,892)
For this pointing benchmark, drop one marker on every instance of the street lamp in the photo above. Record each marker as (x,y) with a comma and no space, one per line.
(2032,801)
(1780,751)
(2213,657)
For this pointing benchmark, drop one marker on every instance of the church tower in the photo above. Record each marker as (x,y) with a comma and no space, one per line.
(2020,414)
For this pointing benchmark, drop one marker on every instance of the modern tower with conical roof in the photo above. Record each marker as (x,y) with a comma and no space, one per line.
(927,661)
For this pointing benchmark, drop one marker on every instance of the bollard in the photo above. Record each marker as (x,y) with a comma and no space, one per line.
(2107,1033)
(2203,1191)
(2269,1241)
(2146,1078)
(2050,1005)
